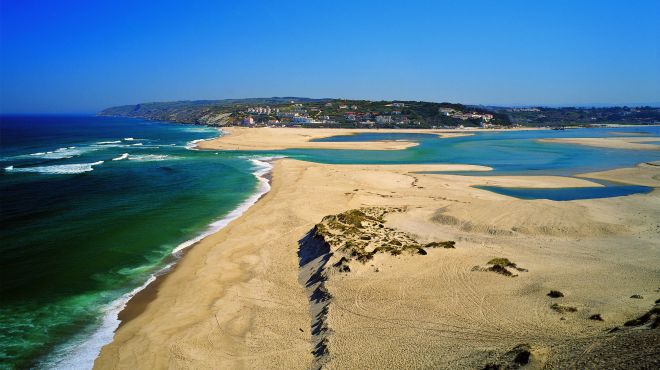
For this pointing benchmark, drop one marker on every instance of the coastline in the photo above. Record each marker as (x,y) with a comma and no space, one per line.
(138,302)
(133,303)
(237,290)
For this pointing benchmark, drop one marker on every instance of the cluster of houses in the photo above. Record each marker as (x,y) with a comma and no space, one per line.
(450,112)
(296,115)
(262,110)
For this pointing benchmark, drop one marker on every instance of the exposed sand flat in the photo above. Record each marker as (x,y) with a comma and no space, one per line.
(639,143)
(235,301)
(267,138)
(645,174)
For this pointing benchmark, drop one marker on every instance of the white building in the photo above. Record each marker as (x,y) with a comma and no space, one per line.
(383,119)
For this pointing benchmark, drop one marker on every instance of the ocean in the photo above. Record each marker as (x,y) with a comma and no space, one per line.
(92,208)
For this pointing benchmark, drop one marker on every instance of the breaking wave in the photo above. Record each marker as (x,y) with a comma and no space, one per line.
(150,157)
(61,169)
(60,153)
(109,142)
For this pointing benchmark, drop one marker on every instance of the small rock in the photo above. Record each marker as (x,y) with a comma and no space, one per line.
(555,294)
(636,296)
(596,317)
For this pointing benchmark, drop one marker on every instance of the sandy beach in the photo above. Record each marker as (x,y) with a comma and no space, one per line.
(267,138)
(241,299)
(636,143)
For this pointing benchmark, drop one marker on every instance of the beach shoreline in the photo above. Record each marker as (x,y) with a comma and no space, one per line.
(133,303)
(141,299)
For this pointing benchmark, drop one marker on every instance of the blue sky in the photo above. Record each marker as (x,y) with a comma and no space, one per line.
(82,56)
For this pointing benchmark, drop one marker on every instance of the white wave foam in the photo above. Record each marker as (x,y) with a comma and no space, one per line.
(138,144)
(83,354)
(123,156)
(62,169)
(192,145)
(128,139)
(109,142)
(60,153)
(150,157)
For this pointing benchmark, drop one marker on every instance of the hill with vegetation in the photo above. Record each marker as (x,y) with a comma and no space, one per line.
(569,116)
(296,111)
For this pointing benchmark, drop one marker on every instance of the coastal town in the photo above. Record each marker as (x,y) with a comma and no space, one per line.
(333,114)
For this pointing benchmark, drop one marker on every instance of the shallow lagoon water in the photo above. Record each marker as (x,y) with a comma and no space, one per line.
(507,152)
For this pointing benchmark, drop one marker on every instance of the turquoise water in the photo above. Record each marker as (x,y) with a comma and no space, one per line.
(79,229)
(515,153)
(507,152)
(92,207)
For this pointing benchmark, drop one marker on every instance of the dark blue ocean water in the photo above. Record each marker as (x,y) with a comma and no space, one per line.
(90,208)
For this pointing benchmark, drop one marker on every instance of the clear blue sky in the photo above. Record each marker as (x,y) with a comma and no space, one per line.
(82,56)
